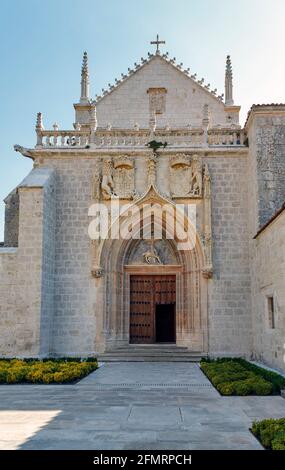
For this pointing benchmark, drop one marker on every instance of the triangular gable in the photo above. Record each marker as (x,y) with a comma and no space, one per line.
(172,62)
(127,104)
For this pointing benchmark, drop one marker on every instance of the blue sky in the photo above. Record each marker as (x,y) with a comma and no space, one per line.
(41,46)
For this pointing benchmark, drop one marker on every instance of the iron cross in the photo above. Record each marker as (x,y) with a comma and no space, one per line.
(157,42)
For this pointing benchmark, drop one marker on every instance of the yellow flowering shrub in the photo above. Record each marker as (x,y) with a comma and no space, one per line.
(46,372)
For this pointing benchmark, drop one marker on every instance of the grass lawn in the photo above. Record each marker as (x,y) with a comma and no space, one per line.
(236,376)
(271,433)
(47,371)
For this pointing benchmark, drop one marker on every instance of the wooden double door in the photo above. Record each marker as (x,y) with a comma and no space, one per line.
(152,308)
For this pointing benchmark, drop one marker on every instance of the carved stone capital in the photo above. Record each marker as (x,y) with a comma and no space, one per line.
(97,272)
(207,272)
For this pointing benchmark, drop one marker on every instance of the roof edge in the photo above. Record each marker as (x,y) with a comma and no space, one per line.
(262,108)
(172,62)
(269,222)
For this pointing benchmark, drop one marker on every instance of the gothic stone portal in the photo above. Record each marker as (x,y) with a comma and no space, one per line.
(119,313)
(152,309)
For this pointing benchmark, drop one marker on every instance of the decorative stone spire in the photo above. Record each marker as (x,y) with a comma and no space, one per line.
(229,83)
(39,129)
(84,98)
(39,122)
(93,122)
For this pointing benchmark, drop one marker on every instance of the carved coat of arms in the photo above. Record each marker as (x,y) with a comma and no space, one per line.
(185,176)
(124,177)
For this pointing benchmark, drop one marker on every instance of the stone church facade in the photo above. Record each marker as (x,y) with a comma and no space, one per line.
(63,293)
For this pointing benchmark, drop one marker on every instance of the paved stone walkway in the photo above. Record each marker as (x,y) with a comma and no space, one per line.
(131,406)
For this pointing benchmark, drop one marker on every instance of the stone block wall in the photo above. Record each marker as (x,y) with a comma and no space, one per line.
(48,264)
(266,132)
(268,280)
(21,273)
(229,309)
(11,232)
(8,301)
(74,320)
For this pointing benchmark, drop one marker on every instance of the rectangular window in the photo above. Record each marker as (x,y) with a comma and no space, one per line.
(271,313)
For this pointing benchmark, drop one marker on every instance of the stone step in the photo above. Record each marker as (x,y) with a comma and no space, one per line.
(151,347)
(142,353)
(150,350)
(150,353)
(161,347)
(143,358)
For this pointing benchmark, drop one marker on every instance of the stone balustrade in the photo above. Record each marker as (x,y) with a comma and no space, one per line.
(59,138)
(104,138)
(224,136)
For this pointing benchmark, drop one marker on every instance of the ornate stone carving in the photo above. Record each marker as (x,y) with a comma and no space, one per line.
(180,175)
(196,181)
(97,272)
(207,273)
(107,185)
(124,177)
(151,256)
(151,167)
(96,183)
(207,237)
(157,100)
(185,176)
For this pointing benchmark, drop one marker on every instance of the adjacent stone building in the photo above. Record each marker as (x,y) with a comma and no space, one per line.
(162,139)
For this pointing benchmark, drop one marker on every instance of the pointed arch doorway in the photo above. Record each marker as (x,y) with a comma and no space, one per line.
(120,259)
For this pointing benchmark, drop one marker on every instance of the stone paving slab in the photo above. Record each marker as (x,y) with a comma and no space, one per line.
(132,406)
(156,373)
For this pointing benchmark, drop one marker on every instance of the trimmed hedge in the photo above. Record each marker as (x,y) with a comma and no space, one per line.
(46,371)
(271,433)
(233,376)
(277,381)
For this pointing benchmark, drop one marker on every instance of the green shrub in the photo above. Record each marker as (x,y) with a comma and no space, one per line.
(3,376)
(278,443)
(226,388)
(243,387)
(262,387)
(46,371)
(231,377)
(277,381)
(270,432)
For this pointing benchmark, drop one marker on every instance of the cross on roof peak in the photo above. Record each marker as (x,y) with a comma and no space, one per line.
(157,42)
